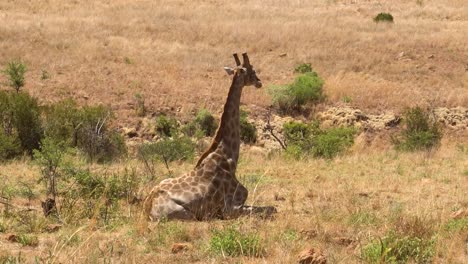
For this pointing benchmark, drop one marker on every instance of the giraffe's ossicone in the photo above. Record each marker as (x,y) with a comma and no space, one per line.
(211,190)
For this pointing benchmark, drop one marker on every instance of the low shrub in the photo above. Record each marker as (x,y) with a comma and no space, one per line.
(333,141)
(383,17)
(304,139)
(206,122)
(306,88)
(303,68)
(95,138)
(204,125)
(26,119)
(231,242)
(95,195)
(62,121)
(20,122)
(248,131)
(9,146)
(87,128)
(166,126)
(420,133)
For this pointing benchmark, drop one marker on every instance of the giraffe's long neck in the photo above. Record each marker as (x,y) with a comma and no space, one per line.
(228,134)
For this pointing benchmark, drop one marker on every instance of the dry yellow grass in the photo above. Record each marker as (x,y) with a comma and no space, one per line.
(173,51)
(321,204)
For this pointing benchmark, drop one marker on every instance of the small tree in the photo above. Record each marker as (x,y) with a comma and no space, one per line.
(166,150)
(49,158)
(15,71)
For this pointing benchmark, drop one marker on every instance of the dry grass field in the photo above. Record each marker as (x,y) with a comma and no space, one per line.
(172,53)
(338,206)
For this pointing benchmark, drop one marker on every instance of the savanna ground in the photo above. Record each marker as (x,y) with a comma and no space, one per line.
(172,52)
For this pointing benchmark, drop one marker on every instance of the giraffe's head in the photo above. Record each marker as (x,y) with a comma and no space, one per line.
(246,70)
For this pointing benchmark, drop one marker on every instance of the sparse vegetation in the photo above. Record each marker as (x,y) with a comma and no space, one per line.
(28,240)
(140,107)
(394,248)
(457,225)
(303,68)
(420,133)
(232,242)
(45,75)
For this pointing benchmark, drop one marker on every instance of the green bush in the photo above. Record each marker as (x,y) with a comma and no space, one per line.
(99,195)
(26,119)
(62,121)
(333,141)
(383,17)
(303,68)
(206,122)
(15,71)
(399,248)
(20,122)
(304,139)
(95,138)
(231,242)
(420,133)
(248,131)
(9,146)
(166,126)
(306,88)
(204,125)
(86,128)
(298,132)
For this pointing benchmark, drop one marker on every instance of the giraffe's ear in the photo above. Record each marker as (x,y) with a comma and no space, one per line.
(229,70)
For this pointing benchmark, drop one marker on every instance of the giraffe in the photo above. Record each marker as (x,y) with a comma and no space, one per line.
(211,189)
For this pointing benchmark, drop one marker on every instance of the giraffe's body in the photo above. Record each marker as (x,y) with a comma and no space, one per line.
(211,189)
